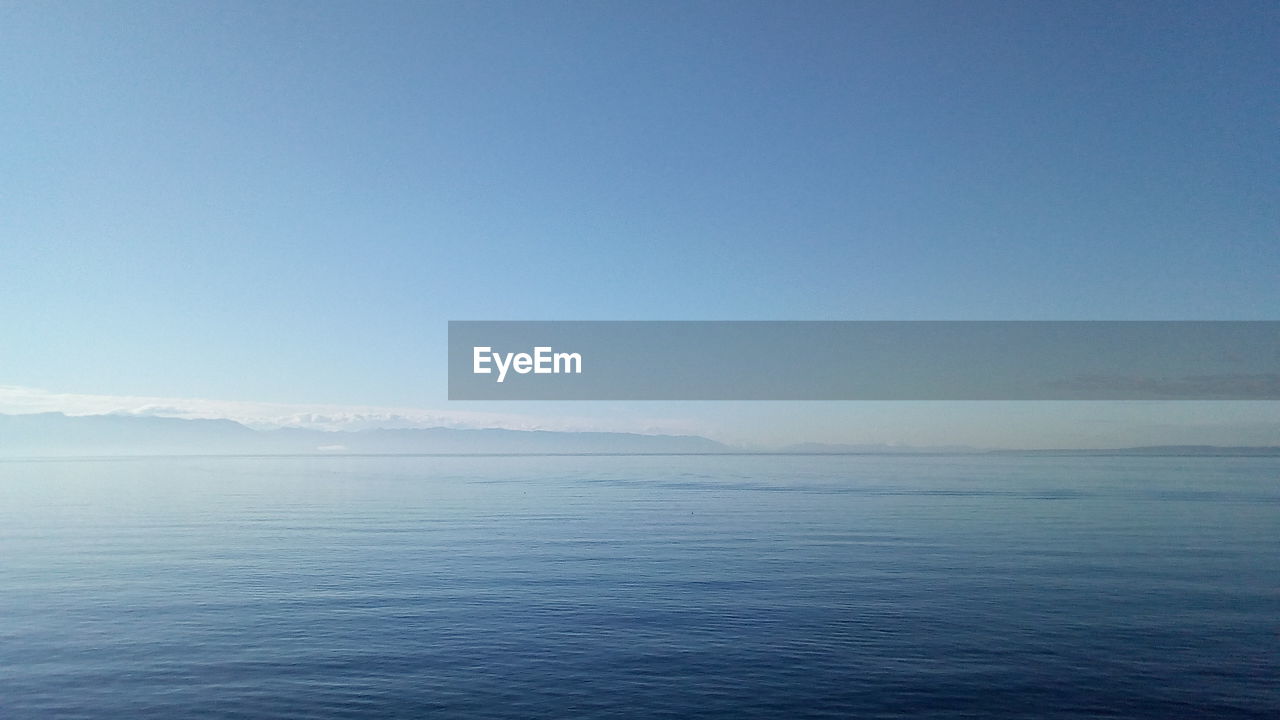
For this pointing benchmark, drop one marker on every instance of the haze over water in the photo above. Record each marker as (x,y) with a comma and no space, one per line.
(640,586)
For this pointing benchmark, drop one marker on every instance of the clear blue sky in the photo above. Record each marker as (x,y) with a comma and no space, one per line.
(287,201)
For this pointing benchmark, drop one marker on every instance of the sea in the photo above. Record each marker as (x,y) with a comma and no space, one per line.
(689,586)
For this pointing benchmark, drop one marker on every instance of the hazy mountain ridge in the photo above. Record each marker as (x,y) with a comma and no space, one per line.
(57,434)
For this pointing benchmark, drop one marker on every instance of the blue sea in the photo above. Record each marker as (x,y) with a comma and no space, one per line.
(640,587)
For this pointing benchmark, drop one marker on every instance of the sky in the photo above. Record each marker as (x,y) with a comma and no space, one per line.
(282,204)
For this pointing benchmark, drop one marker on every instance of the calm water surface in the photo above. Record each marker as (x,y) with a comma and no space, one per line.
(673,587)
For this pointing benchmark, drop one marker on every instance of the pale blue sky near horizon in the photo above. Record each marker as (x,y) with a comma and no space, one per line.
(286,202)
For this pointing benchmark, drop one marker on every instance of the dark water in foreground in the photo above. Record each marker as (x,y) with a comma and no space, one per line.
(680,587)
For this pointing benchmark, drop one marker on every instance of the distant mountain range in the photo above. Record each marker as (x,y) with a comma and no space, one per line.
(56,434)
